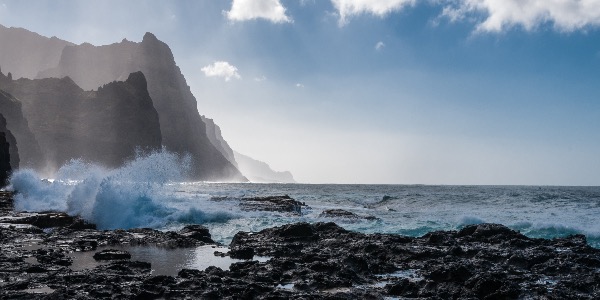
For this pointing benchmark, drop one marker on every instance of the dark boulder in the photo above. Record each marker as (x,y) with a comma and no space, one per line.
(285,204)
(197,232)
(43,220)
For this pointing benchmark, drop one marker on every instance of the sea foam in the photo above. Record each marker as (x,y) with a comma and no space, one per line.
(133,195)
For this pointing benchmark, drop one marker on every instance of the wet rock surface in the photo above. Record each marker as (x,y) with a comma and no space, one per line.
(340,213)
(284,204)
(303,261)
(112,254)
(486,261)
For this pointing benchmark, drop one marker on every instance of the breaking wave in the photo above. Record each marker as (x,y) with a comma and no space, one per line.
(134,195)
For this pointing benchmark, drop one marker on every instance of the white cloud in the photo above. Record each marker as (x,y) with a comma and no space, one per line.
(221,69)
(260,79)
(565,15)
(244,10)
(299,85)
(379,45)
(349,8)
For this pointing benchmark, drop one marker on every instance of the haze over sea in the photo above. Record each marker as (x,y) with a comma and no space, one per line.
(149,192)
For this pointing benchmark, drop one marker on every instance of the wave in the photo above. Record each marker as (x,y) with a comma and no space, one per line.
(469,220)
(133,195)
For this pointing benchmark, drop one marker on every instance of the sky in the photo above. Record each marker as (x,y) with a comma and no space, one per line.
(378,91)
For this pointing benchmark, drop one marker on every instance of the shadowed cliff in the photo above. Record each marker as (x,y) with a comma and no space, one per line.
(29,154)
(104,126)
(213,132)
(9,157)
(183,131)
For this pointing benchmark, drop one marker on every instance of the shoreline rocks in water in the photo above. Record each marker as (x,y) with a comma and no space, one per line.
(305,261)
(344,214)
(285,204)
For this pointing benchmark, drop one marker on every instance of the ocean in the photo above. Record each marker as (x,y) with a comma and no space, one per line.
(150,192)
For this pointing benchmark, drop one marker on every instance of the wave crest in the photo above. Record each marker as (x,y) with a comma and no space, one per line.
(133,195)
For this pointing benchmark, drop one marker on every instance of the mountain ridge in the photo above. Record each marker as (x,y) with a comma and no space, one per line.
(182,128)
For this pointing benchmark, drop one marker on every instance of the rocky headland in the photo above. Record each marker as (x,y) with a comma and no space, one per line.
(299,261)
(258,171)
(49,81)
(105,126)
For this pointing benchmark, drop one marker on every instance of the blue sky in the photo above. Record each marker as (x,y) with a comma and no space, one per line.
(381,91)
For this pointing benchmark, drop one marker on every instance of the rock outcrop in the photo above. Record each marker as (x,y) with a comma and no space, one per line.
(105,126)
(182,128)
(213,132)
(5,155)
(25,53)
(5,167)
(344,214)
(261,172)
(9,159)
(29,153)
(283,204)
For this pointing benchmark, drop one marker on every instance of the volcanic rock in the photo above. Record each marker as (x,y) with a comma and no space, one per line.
(112,254)
(340,213)
(273,203)
(197,232)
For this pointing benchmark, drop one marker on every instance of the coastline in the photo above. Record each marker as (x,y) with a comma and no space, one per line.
(309,261)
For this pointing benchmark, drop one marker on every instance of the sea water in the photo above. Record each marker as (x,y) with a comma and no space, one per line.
(151,191)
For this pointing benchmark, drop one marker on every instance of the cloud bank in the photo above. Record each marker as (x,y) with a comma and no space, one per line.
(221,69)
(244,10)
(490,15)
(499,15)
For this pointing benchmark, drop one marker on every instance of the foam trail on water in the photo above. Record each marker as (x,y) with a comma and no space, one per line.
(133,195)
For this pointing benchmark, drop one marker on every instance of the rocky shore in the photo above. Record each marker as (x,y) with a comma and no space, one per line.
(299,261)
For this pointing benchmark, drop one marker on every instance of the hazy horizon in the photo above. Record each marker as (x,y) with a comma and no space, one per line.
(473,92)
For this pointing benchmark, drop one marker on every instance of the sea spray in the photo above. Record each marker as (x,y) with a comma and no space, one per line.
(133,195)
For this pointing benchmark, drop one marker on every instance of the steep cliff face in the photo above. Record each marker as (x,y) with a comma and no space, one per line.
(183,131)
(24,53)
(213,132)
(29,154)
(13,151)
(9,158)
(258,171)
(5,167)
(104,126)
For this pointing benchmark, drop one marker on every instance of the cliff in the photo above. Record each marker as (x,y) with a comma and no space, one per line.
(258,171)
(213,132)
(9,157)
(13,151)
(182,128)
(25,53)
(29,154)
(104,126)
